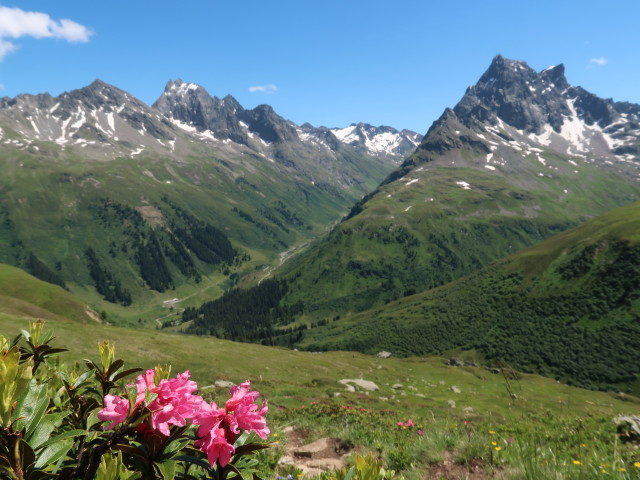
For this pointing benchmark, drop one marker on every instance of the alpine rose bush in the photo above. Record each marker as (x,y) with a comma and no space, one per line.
(152,432)
(175,403)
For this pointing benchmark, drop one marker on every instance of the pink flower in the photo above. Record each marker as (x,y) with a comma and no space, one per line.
(209,417)
(116,410)
(420,432)
(174,402)
(244,412)
(145,383)
(249,417)
(219,427)
(409,423)
(215,445)
(400,424)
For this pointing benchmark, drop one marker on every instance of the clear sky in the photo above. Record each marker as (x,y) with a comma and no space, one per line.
(330,62)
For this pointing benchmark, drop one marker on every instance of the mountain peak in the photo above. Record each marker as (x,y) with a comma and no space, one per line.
(518,95)
(504,71)
(555,75)
(181,88)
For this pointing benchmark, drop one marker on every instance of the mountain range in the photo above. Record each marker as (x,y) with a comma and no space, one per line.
(117,200)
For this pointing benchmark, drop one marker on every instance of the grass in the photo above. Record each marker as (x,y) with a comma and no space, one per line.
(539,434)
(25,295)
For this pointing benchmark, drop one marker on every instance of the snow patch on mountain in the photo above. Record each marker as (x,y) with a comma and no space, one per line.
(379,141)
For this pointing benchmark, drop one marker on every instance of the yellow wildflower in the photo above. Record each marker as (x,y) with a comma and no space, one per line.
(494,443)
(497,449)
(491,432)
(636,464)
(577,462)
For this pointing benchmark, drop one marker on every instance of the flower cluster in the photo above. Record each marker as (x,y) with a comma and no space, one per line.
(408,424)
(220,427)
(173,402)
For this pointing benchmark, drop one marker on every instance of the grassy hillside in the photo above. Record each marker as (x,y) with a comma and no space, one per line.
(438,223)
(316,375)
(24,295)
(159,227)
(568,308)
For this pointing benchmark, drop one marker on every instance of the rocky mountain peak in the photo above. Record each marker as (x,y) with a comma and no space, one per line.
(383,140)
(99,94)
(554,75)
(514,107)
(513,92)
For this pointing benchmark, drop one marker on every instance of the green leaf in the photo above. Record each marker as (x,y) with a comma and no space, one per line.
(173,447)
(68,434)
(93,419)
(91,365)
(195,460)
(53,453)
(126,373)
(82,378)
(350,473)
(114,367)
(30,407)
(131,450)
(166,469)
(46,350)
(234,469)
(27,455)
(252,447)
(42,433)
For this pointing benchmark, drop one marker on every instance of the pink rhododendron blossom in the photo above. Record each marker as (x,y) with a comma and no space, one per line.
(216,446)
(250,417)
(116,410)
(241,395)
(145,383)
(175,401)
(240,412)
(246,414)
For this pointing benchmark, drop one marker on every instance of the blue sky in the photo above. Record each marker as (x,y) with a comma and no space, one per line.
(329,63)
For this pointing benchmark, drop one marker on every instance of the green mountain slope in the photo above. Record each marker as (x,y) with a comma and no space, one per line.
(128,208)
(523,156)
(568,308)
(25,296)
